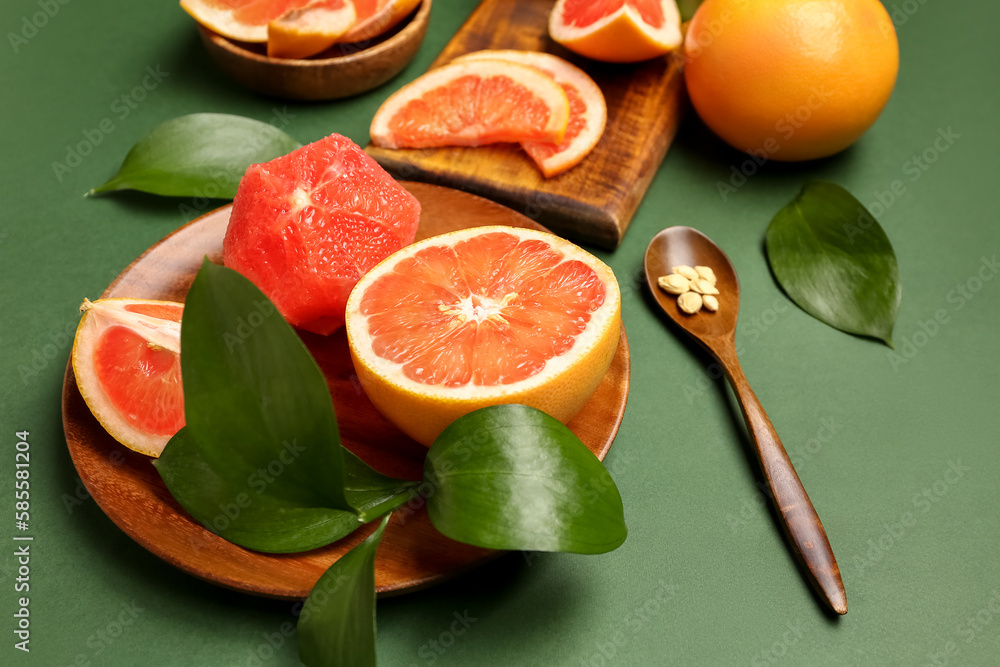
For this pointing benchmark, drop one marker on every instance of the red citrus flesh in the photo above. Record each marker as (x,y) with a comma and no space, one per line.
(141,380)
(490,310)
(306,226)
(472,101)
(582,13)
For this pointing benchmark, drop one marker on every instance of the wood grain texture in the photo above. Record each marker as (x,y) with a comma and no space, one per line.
(342,70)
(716,332)
(412,554)
(593,202)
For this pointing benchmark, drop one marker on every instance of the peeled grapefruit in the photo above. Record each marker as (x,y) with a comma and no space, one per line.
(126,359)
(480,317)
(617,31)
(588,112)
(307,225)
(473,103)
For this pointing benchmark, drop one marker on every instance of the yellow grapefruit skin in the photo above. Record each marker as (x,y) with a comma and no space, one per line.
(560,387)
(790,80)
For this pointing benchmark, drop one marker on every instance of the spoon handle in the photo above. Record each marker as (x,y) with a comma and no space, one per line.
(802,524)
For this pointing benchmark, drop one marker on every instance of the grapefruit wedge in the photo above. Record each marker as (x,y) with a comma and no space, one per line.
(588,112)
(473,103)
(480,317)
(243,20)
(617,31)
(376,17)
(307,225)
(307,30)
(126,358)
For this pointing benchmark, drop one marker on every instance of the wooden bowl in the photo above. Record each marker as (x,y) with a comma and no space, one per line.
(342,70)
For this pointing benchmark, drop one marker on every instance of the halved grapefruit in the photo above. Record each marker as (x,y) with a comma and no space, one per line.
(588,112)
(376,17)
(307,30)
(126,358)
(480,317)
(473,103)
(307,225)
(617,31)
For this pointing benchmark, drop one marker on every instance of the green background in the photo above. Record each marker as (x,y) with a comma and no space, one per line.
(704,577)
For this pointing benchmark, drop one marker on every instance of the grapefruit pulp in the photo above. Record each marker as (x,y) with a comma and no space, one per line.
(126,359)
(375,17)
(307,225)
(480,317)
(472,103)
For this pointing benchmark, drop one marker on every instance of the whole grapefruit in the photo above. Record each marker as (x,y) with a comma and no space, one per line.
(790,79)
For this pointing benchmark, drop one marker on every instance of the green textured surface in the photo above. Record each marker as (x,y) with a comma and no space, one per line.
(704,577)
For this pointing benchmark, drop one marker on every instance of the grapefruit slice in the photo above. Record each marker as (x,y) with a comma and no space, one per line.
(617,31)
(376,17)
(588,112)
(480,317)
(473,103)
(243,20)
(307,225)
(307,30)
(126,358)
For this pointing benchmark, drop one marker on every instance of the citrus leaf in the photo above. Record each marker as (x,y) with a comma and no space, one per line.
(259,461)
(337,625)
(834,260)
(512,477)
(199,155)
(256,520)
(687,8)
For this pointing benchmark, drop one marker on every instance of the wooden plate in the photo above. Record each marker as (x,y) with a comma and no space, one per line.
(412,554)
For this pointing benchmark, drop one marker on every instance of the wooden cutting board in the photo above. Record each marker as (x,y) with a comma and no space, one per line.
(593,202)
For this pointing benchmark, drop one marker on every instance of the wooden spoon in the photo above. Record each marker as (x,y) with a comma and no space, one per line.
(716,332)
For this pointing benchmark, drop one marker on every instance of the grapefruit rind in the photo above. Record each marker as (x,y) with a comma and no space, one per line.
(620,37)
(537,82)
(97,317)
(565,74)
(560,389)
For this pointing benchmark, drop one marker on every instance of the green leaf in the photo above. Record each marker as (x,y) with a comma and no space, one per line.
(259,461)
(512,477)
(835,261)
(199,155)
(254,519)
(337,624)
(687,8)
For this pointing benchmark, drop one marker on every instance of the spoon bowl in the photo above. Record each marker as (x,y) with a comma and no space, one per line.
(676,246)
(716,332)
